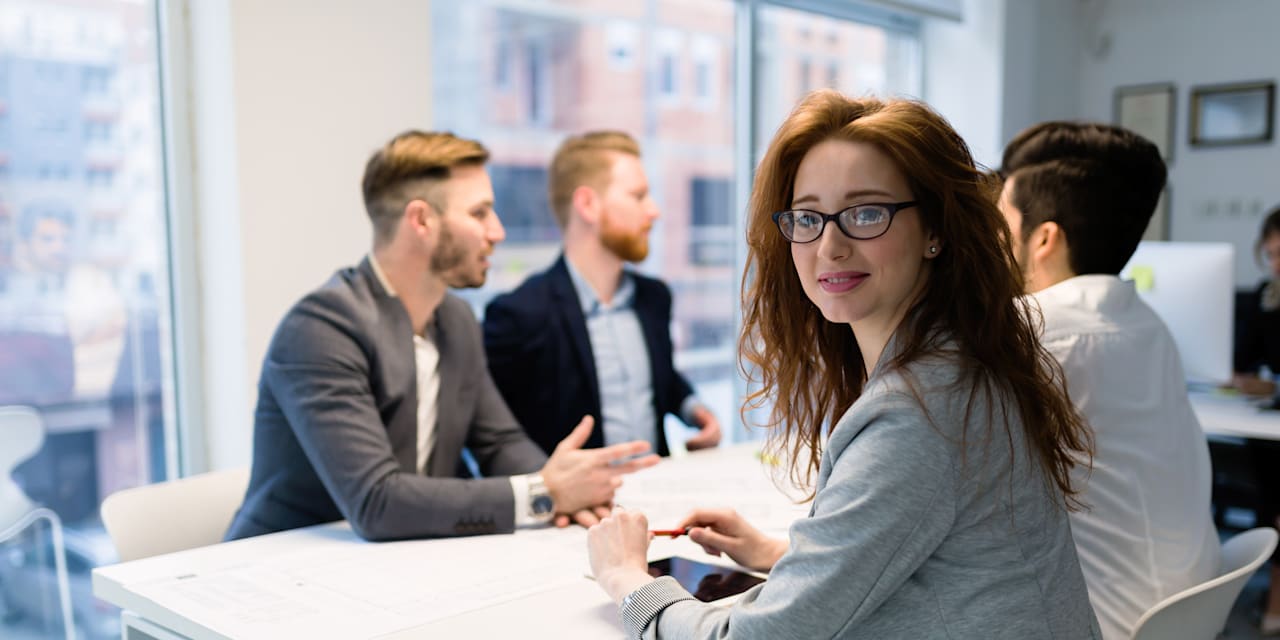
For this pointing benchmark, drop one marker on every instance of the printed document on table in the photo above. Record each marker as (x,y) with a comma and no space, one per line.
(360,589)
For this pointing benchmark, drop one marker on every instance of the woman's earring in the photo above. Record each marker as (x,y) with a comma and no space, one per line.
(933,250)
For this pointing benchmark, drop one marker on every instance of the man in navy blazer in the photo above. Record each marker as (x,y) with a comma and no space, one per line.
(375,382)
(589,336)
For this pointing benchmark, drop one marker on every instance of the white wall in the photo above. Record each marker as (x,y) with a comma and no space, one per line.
(1007,65)
(1189,43)
(1042,39)
(288,99)
(962,74)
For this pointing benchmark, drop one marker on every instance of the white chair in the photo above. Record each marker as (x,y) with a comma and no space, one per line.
(1200,613)
(22,433)
(172,516)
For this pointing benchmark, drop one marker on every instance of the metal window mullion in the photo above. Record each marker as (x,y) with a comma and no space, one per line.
(185,449)
(746,20)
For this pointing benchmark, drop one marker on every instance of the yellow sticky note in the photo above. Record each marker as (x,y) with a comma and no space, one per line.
(768,458)
(1144,278)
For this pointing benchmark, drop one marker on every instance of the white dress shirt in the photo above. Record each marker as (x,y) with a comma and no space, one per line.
(426,358)
(1147,532)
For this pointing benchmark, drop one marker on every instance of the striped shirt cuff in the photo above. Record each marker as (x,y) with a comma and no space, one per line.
(642,606)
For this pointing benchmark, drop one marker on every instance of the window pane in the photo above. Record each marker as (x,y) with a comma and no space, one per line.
(520,75)
(798,52)
(84,290)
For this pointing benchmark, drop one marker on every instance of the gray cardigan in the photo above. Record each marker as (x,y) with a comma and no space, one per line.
(909,536)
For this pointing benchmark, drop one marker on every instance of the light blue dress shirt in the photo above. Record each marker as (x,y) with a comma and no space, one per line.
(622,361)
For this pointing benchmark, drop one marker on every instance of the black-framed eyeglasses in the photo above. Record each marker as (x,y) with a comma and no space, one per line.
(860,222)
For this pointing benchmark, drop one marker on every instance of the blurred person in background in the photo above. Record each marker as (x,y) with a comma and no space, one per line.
(62,324)
(594,332)
(1257,346)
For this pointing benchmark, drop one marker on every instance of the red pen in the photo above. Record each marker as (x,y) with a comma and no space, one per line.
(674,533)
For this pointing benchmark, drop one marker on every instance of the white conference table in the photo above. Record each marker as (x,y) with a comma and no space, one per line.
(324,582)
(1234,415)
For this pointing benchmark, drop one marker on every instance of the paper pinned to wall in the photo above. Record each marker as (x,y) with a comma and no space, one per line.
(1144,278)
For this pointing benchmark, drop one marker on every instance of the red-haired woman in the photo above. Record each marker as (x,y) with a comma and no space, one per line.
(883,321)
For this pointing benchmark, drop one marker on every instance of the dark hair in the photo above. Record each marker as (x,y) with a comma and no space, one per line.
(1099,183)
(812,370)
(1270,225)
(410,167)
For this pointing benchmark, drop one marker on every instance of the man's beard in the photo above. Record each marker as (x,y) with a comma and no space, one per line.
(447,262)
(627,245)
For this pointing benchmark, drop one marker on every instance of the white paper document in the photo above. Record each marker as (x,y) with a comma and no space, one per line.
(739,479)
(359,589)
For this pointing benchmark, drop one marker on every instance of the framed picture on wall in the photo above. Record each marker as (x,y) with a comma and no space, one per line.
(1147,109)
(1229,114)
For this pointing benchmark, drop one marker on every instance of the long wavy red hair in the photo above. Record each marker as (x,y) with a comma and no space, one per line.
(812,371)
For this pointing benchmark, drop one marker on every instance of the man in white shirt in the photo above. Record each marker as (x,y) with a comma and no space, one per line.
(1078,198)
(375,382)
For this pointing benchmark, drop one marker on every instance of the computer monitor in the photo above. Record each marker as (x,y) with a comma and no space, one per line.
(1191,286)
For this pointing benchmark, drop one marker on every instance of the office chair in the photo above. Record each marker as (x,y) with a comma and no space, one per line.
(172,516)
(22,431)
(1200,613)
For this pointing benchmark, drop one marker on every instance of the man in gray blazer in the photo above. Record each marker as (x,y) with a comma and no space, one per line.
(375,382)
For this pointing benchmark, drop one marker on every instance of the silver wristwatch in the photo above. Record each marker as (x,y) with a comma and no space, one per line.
(541,506)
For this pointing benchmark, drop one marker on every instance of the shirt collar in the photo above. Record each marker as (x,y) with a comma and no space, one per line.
(587,299)
(382,277)
(1095,291)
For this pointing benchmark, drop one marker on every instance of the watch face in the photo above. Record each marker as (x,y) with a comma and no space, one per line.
(541,505)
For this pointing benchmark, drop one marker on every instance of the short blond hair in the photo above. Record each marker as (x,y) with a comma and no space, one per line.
(584,160)
(409,167)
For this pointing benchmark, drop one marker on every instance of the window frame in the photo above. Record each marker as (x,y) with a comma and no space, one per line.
(746,90)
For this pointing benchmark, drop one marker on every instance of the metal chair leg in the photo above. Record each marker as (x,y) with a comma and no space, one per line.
(59,559)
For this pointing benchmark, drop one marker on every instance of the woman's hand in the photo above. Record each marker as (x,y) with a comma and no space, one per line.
(724,531)
(618,547)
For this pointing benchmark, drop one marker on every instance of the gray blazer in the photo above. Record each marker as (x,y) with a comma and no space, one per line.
(910,535)
(335,431)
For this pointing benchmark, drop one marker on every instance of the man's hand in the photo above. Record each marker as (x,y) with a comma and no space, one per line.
(709,434)
(579,479)
(584,517)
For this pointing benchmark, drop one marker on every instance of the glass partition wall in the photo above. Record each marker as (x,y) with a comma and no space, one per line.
(84,288)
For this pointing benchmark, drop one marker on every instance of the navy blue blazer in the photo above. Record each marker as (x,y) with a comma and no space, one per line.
(541,360)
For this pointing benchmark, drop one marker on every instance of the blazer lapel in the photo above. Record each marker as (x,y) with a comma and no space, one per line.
(443,460)
(570,310)
(403,434)
(650,325)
